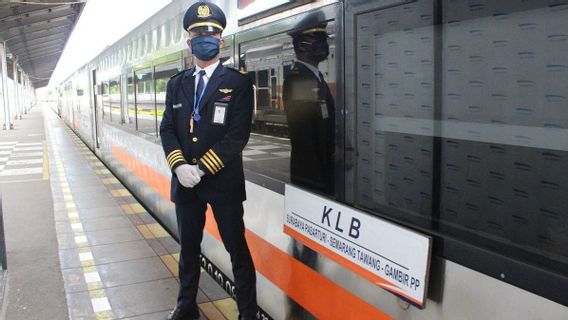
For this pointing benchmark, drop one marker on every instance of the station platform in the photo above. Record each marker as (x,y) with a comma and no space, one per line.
(79,245)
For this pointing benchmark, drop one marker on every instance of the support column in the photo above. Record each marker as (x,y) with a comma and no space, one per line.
(24,93)
(28,93)
(16,89)
(7,125)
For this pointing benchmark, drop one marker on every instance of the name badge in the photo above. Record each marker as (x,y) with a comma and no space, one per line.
(324,113)
(219,113)
(176,106)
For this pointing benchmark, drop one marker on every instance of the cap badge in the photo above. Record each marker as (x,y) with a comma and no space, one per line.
(203,12)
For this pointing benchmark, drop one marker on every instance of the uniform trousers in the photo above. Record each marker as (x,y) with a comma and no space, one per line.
(229,217)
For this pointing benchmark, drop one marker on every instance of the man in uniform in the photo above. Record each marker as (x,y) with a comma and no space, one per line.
(310,109)
(204,129)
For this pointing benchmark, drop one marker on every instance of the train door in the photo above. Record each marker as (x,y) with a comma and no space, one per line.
(95,108)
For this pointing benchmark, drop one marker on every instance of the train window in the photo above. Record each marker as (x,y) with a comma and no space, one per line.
(114,99)
(162,74)
(106,101)
(130,118)
(457,131)
(293,136)
(145,101)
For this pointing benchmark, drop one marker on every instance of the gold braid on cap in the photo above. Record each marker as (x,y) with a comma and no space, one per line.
(205,24)
(314,30)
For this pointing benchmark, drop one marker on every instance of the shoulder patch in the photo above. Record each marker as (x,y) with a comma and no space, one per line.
(241,72)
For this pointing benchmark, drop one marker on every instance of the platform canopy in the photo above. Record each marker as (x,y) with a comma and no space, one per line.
(35,33)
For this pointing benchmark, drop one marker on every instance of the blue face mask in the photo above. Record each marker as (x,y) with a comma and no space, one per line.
(205,48)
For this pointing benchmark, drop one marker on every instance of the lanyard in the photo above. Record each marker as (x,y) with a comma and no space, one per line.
(197,100)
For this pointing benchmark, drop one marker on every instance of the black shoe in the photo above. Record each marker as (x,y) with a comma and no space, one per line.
(180,314)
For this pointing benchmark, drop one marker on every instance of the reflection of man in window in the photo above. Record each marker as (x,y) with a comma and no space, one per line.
(309,108)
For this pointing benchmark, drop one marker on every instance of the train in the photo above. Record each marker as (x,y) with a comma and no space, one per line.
(451,154)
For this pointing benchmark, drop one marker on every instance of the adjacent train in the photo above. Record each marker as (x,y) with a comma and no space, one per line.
(451,123)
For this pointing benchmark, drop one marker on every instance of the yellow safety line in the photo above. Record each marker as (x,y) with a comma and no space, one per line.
(95,289)
(45,162)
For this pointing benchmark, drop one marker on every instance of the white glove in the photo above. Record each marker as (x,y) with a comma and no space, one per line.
(187,175)
(201,173)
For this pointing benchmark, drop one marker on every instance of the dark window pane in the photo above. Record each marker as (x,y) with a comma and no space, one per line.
(145,101)
(114,98)
(131,106)
(106,101)
(162,75)
(465,138)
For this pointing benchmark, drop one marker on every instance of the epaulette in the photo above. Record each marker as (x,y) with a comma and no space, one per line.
(241,72)
(179,73)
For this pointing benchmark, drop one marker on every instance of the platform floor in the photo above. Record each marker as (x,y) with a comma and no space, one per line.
(79,245)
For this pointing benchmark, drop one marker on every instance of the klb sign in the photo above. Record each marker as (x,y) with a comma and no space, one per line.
(388,255)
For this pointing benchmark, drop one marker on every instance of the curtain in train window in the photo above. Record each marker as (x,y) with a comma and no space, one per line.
(293,135)
(114,99)
(162,74)
(145,101)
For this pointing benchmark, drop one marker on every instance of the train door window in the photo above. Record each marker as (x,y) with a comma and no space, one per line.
(145,101)
(106,101)
(130,118)
(114,99)
(294,127)
(162,75)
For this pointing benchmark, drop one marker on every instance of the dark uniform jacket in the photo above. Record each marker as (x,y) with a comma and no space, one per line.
(217,140)
(310,112)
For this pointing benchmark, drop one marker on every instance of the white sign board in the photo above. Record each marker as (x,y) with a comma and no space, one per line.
(390,256)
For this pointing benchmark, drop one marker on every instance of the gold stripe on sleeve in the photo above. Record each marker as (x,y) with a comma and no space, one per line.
(206,165)
(212,161)
(173,153)
(175,159)
(211,165)
(216,157)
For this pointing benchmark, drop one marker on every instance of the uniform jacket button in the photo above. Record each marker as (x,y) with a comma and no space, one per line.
(194,139)
(194,161)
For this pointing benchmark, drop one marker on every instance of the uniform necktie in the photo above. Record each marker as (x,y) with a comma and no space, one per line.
(200,85)
(324,85)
